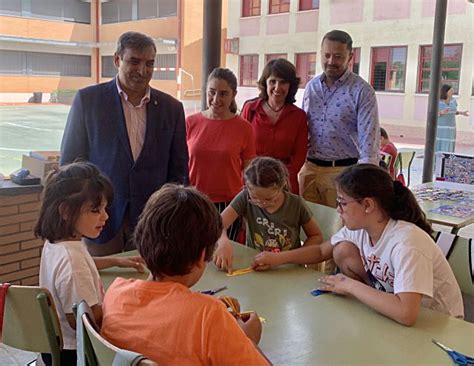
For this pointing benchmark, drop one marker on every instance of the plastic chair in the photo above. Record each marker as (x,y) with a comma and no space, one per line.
(329,223)
(104,352)
(31,322)
(459,252)
(387,159)
(404,160)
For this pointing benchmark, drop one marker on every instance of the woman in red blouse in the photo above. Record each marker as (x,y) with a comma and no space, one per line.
(220,143)
(280,127)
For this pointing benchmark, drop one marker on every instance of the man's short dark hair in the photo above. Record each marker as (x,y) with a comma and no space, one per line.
(383,133)
(176,225)
(134,41)
(339,36)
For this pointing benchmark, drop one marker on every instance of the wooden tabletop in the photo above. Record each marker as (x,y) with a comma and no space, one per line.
(301,329)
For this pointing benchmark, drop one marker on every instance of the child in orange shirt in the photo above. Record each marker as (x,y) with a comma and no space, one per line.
(161,317)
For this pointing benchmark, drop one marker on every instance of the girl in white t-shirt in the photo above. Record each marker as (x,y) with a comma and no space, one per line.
(74,205)
(274,217)
(385,252)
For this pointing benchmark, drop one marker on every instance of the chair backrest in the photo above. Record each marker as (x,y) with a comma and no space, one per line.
(327,219)
(106,353)
(31,322)
(459,252)
(387,159)
(403,161)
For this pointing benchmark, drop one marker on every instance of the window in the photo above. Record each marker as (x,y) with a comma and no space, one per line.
(10,7)
(274,56)
(388,67)
(279,6)
(450,67)
(165,67)
(42,63)
(248,70)
(148,9)
(355,62)
(250,8)
(67,10)
(305,67)
(116,11)
(108,68)
(309,4)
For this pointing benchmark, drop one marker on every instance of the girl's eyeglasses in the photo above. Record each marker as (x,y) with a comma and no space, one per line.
(342,203)
(264,202)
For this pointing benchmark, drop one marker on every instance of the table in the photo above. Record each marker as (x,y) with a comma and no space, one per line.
(455,223)
(329,329)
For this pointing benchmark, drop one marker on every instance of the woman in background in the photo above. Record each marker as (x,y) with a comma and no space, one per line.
(447,111)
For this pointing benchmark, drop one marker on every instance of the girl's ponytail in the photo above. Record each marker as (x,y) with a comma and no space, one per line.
(405,207)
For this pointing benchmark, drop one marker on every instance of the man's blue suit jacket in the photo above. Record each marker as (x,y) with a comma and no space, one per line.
(96,132)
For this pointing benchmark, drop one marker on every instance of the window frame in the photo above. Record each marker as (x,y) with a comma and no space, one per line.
(254,59)
(389,70)
(251,8)
(311,7)
(305,80)
(356,51)
(279,6)
(273,56)
(421,69)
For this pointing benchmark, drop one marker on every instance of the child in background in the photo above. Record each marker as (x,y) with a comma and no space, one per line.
(274,218)
(161,317)
(387,147)
(74,205)
(385,252)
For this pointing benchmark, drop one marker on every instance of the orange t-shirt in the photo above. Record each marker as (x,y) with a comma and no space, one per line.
(171,325)
(217,151)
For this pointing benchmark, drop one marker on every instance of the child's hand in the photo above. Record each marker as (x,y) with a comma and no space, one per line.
(136,262)
(223,256)
(340,284)
(252,327)
(266,260)
(231,303)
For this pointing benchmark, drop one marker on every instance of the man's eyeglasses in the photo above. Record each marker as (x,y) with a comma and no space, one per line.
(342,203)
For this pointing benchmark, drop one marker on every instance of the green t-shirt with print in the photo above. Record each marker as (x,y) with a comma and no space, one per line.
(273,231)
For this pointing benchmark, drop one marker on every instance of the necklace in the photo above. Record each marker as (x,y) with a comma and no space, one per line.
(273,109)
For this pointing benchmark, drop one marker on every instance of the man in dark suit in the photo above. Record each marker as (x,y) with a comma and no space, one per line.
(135,135)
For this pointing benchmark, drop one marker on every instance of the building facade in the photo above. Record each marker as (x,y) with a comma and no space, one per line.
(52,48)
(392,49)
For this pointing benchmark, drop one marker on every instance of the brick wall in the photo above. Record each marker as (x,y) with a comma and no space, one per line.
(20,251)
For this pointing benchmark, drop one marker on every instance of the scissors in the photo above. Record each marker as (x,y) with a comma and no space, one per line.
(457,357)
(214,291)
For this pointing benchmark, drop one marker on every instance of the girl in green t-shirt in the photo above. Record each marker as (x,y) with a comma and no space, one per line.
(274,217)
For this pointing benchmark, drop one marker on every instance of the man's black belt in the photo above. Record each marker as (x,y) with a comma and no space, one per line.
(342,162)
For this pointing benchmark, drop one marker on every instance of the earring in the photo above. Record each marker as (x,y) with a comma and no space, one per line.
(366,211)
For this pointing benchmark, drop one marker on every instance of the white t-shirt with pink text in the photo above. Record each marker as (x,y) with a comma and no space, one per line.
(406,259)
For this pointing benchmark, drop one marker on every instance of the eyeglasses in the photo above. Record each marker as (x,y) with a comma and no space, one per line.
(342,203)
(264,202)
